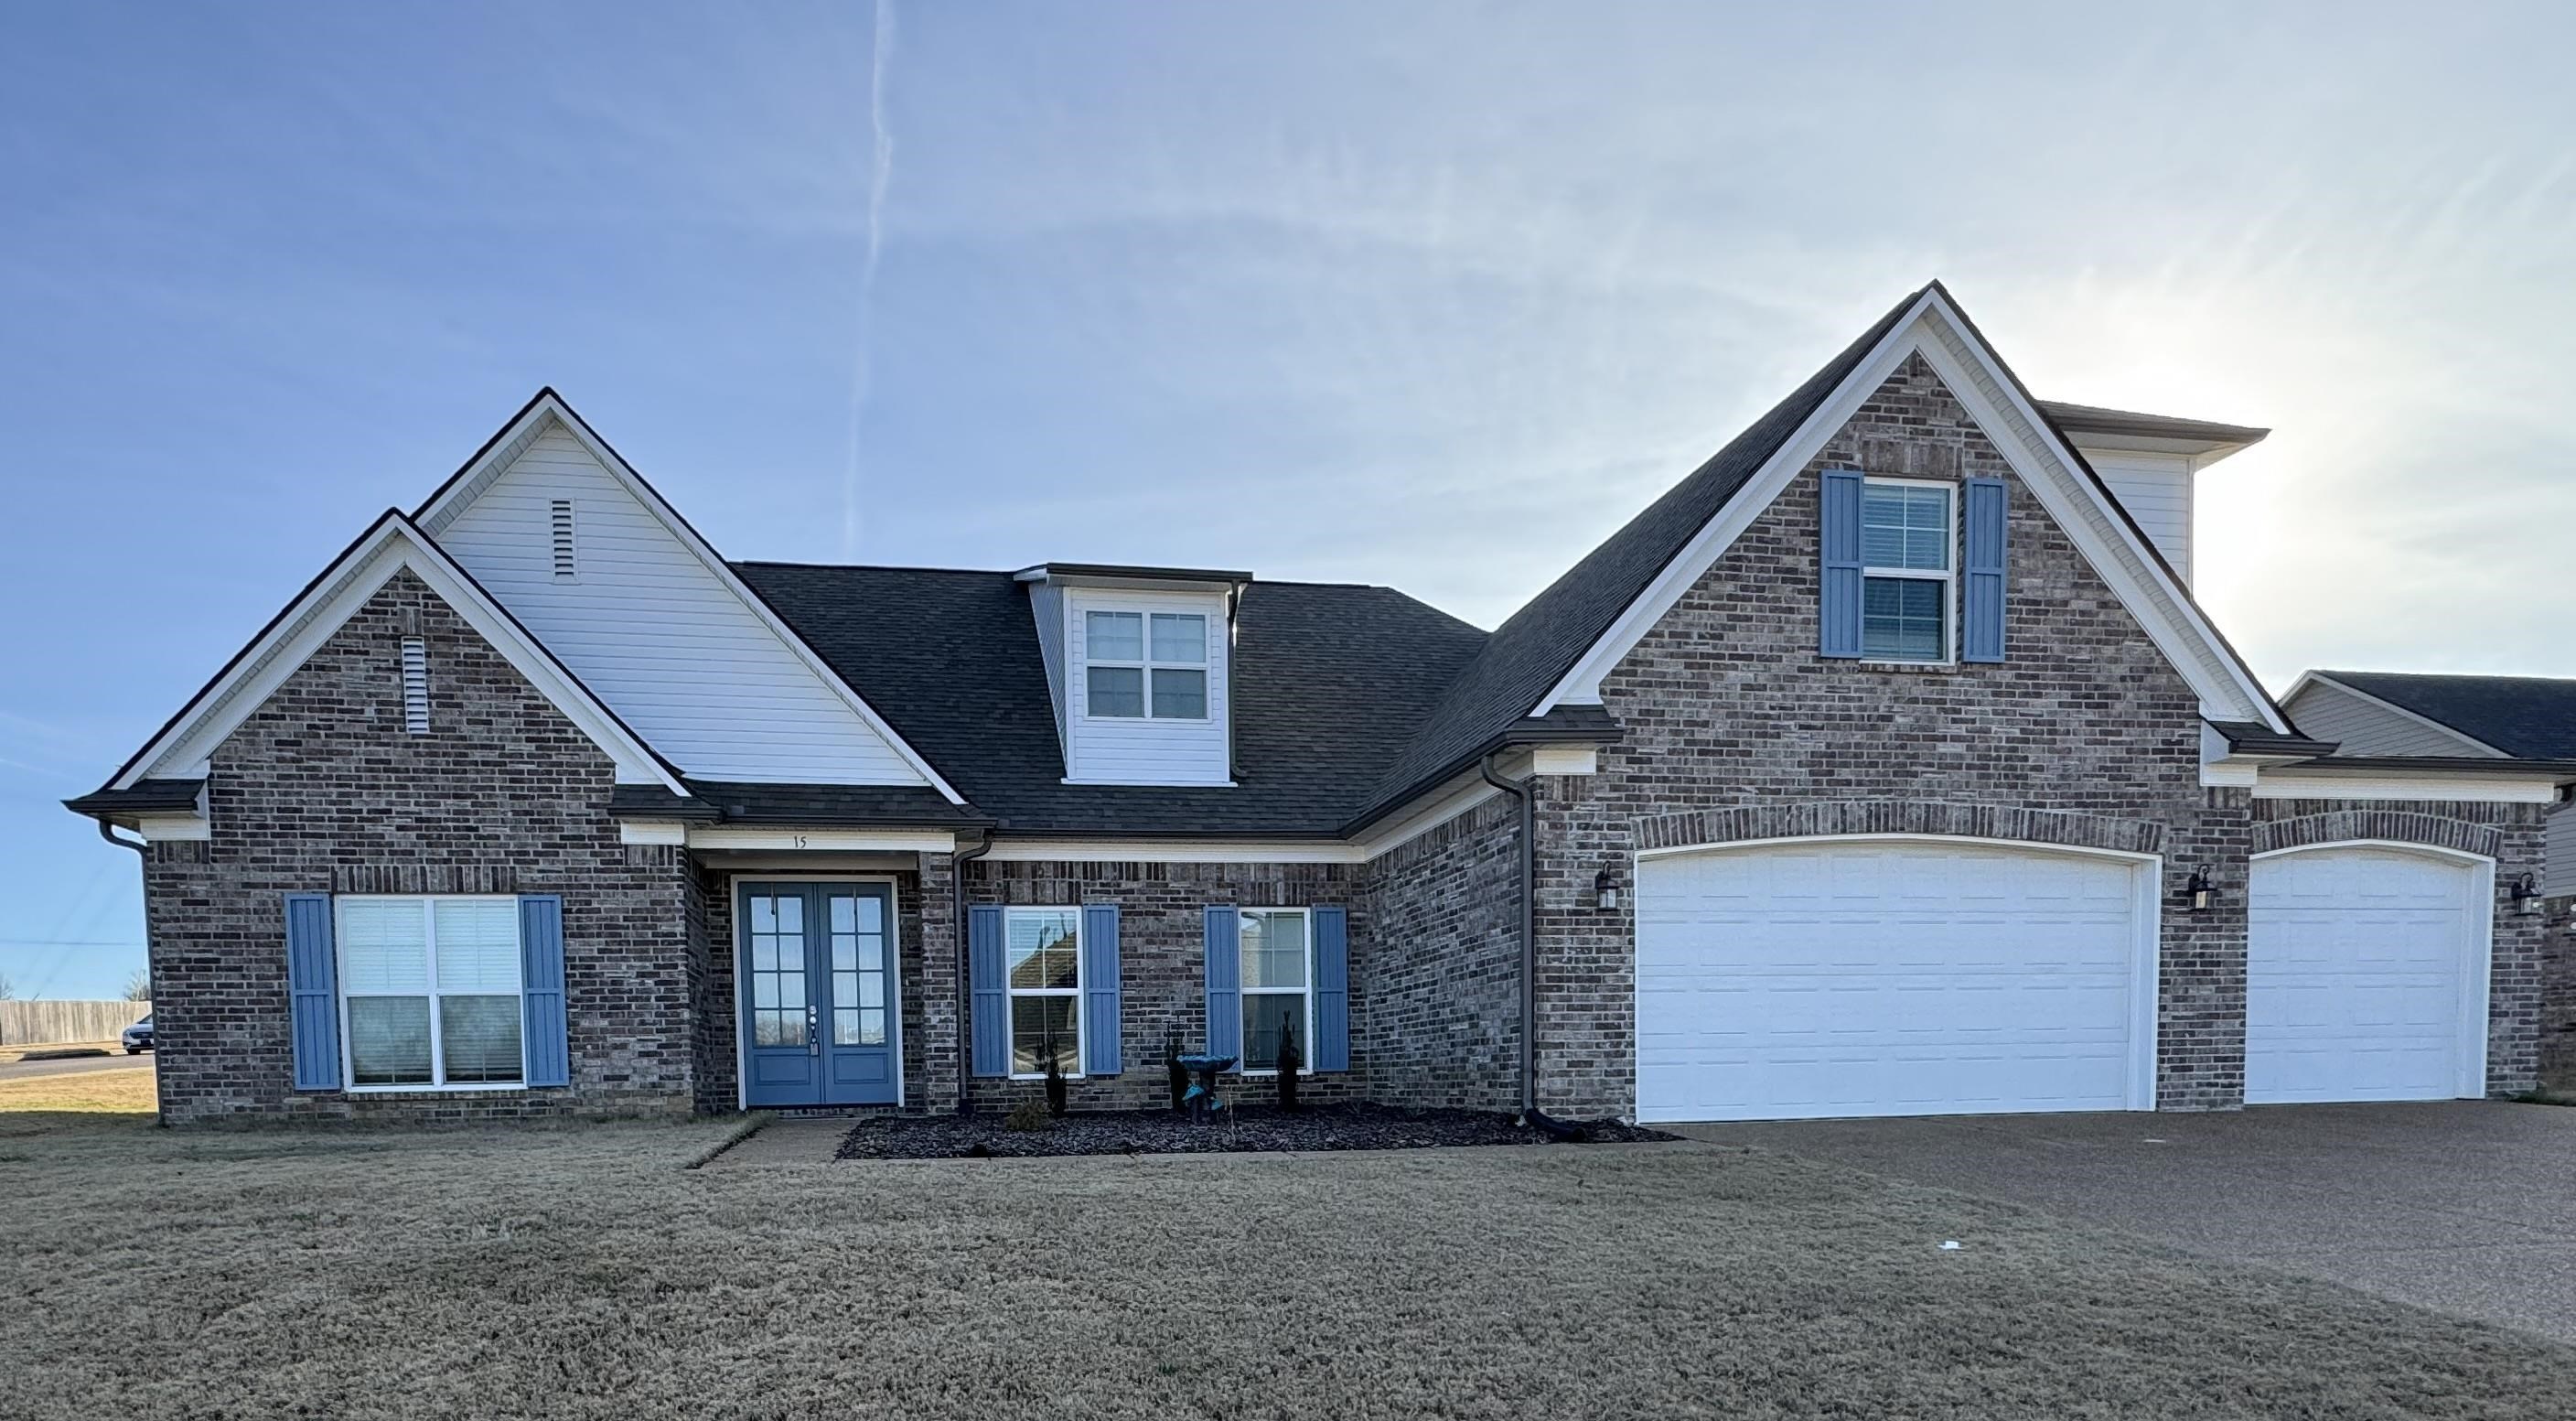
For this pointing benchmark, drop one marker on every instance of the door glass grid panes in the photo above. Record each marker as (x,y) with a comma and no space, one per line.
(859,1006)
(1274,964)
(778,969)
(1042,966)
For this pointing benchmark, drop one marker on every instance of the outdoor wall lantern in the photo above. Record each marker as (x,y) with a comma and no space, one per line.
(2200,893)
(1605,890)
(2526,895)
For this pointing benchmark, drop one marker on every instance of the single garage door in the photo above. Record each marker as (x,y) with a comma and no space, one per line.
(1891,977)
(2365,977)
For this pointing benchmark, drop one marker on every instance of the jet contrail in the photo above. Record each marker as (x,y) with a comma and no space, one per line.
(880,174)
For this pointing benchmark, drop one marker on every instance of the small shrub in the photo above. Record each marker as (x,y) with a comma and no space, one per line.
(1028,1115)
(1180,1078)
(1055,1087)
(1289,1061)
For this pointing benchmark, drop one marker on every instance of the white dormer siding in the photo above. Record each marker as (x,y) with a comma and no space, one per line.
(653,632)
(1137,733)
(2156,489)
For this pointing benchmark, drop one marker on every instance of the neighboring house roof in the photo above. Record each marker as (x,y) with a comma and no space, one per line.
(1329,681)
(2526,717)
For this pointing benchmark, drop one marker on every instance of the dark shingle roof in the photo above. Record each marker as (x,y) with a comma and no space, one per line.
(2094,419)
(140,797)
(2527,717)
(1328,682)
(1542,641)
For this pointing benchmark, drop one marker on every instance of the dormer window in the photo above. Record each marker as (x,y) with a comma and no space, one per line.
(1906,534)
(1146,665)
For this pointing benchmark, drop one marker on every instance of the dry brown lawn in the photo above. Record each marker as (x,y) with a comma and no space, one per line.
(42,1105)
(584,1272)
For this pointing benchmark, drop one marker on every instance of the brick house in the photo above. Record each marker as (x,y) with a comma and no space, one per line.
(1884,765)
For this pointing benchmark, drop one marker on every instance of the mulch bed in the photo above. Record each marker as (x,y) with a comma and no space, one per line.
(1163,1132)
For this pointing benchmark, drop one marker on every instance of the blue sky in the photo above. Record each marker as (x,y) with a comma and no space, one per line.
(1424,296)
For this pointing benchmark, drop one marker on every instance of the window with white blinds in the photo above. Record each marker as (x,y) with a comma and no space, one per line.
(429,991)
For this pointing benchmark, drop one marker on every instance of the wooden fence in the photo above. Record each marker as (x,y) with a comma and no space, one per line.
(42,1023)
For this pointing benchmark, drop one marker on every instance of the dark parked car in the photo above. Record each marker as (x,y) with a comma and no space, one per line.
(138,1037)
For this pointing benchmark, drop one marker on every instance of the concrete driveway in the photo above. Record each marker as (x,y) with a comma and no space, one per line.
(2464,1207)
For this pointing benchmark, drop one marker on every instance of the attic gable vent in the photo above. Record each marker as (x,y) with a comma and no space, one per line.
(415,678)
(564,564)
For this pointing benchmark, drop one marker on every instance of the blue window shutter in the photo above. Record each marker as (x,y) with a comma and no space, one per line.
(541,990)
(1224,981)
(1982,631)
(1838,543)
(1332,991)
(1100,1053)
(989,1001)
(313,1001)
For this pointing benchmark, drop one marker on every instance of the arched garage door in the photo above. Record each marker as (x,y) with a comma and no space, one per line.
(2366,975)
(1892,977)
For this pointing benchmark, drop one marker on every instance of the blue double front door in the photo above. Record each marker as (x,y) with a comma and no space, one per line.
(816,967)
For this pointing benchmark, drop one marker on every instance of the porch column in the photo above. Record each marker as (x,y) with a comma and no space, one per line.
(939,1047)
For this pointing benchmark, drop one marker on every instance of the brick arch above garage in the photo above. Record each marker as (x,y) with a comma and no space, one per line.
(1829,818)
(2386,825)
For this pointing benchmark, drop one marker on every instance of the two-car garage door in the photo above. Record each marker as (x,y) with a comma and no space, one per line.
(1891,977)
(1924,976)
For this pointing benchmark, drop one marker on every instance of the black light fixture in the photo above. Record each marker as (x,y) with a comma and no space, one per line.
(2200,893)
(1605,890)
(2526,895)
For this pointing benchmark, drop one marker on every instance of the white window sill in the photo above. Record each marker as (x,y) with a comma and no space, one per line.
(474,1088)
(1042,1076)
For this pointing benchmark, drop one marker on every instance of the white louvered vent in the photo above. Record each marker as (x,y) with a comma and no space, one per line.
(565,566)
(415,686)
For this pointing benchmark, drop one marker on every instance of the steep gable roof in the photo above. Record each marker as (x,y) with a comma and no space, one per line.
(391,544)
(830,712)
(1553,651)
(2526,717)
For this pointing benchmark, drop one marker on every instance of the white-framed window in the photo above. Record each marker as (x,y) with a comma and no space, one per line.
(1908,591)
(429,992)
(1144,664)
(1278,977)
(1042,966)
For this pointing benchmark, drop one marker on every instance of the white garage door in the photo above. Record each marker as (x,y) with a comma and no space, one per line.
(2365,977)
(1890,978)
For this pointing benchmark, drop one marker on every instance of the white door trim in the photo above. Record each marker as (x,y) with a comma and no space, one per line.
(2469,1076)
(2146,876)
(894,965)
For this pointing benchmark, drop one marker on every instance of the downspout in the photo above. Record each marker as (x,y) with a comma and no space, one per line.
(1521,790)
(965,969)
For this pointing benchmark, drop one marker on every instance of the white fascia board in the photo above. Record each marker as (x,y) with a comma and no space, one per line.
(2308,678)
(187,744)
(652,831)
(1077,850)
(1438,806)
(1582,685)
(894,840)
(157,827)
(2080,506)
(2308,781)
(470,482)
(1565,760)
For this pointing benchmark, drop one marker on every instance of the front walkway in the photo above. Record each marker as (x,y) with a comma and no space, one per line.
(2463,1207)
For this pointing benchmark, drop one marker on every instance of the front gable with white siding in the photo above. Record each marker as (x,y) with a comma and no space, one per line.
(567,537)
